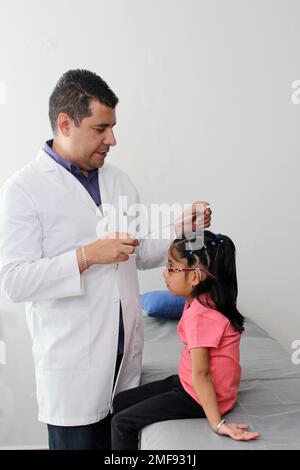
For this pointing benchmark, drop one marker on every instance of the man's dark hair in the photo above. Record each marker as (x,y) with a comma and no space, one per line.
(74,92)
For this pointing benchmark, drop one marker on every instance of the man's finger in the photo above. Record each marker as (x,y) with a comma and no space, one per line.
(202,203)
(127,249)
(124,236)
(129,241)
(122,257)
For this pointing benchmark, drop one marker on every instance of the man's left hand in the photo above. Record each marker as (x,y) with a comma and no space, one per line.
(195,218)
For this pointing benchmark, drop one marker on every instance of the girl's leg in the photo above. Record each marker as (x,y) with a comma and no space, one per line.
(173,404)
(134,395)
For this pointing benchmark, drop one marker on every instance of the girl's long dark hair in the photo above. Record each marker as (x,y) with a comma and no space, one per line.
(217,256)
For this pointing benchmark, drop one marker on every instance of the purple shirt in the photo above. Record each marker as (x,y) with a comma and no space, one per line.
(90,183)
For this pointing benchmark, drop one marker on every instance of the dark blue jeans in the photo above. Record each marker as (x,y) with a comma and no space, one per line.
(94,436)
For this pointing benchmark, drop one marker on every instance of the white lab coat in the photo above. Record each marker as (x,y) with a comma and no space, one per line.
(73,318)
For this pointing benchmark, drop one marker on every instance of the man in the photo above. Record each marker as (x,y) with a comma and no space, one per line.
(81,291)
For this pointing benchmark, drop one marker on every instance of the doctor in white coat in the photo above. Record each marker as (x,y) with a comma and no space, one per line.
(81,291)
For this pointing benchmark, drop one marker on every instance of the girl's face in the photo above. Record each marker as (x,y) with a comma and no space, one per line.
(180,283)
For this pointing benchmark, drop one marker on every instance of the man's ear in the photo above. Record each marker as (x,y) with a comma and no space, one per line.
(63,124)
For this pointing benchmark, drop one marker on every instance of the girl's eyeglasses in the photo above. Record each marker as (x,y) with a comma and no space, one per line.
(181,270)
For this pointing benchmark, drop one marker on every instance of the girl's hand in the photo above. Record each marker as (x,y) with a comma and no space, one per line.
(237,432)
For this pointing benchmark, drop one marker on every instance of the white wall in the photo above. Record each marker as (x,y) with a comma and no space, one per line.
(205,113)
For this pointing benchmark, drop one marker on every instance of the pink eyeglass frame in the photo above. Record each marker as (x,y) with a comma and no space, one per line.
(180,270)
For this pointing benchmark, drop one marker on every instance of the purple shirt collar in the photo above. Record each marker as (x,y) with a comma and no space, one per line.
(72,167)
(90,183)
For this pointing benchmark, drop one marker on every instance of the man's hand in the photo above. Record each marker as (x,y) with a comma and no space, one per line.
(238,432)
(114,248)
(195,218)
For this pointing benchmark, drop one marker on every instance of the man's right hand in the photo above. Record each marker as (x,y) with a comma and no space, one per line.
(113,248)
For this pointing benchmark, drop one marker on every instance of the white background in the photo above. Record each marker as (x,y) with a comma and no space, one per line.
(205,112)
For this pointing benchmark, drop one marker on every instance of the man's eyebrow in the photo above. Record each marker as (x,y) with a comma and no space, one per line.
(104,124)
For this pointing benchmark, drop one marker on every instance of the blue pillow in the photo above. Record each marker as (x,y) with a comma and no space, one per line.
(161,303)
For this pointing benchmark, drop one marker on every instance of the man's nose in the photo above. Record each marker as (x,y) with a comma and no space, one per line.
(110,138)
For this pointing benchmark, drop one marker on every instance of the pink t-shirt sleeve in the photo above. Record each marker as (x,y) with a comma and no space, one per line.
(203,332)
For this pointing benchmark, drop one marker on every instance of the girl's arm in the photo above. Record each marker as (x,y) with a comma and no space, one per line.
(203,386)
(205,390)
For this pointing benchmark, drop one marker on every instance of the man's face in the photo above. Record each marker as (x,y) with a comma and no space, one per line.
(90,143)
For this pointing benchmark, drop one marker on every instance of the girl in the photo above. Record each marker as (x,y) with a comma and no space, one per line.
(210,329)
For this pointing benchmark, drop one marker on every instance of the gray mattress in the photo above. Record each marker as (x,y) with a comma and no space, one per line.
(268,400)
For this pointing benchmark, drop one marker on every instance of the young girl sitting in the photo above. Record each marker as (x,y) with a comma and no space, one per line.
(210,328)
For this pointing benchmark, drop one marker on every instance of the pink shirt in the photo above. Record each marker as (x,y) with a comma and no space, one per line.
(203,327)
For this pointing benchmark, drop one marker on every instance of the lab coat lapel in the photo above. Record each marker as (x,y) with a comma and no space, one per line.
(107,183)
(73,187)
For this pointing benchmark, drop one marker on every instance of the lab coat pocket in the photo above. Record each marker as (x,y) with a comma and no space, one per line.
(62,339)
